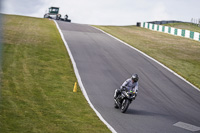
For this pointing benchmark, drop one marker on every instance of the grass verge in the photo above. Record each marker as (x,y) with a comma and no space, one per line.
(182,55)
(186,26)
(37,83)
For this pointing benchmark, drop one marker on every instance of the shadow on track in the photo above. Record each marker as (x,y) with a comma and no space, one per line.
(143,112)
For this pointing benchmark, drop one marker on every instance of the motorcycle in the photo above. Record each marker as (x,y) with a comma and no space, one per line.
(124,100)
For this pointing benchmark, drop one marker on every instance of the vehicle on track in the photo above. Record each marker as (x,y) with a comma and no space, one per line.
(124,100)
(53,13)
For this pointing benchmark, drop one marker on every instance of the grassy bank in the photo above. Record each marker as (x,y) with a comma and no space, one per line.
(180,54)
(186,26)
(37,83)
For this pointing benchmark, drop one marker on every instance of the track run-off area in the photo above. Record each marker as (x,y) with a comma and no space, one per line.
(165,103)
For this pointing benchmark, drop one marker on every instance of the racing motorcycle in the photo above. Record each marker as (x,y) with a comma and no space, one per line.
(122,101)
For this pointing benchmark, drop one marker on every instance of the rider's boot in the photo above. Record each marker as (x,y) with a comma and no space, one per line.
(117,92)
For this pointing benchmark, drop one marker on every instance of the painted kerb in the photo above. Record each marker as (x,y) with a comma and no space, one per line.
(173,31)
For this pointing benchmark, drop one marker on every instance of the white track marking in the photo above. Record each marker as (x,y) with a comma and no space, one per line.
(80,81)
(187,126)
(150,58)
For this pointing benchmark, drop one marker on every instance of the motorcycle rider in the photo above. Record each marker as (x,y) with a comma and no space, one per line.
(129,84)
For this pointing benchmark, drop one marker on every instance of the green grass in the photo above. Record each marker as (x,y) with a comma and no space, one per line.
(180,54)
(186,26)
(37,82)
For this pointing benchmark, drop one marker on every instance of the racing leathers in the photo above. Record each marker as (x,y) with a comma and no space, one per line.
(128,85)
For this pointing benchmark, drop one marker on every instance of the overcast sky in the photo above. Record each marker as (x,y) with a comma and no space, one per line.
(109,12)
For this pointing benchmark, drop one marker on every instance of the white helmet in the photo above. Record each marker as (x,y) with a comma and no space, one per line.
(135,77)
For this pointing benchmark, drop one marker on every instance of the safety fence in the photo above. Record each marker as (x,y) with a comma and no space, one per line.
(172,30)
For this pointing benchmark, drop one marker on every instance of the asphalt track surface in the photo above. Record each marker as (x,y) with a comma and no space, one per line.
(105,63)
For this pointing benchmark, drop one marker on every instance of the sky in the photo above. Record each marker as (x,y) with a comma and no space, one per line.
(108,12)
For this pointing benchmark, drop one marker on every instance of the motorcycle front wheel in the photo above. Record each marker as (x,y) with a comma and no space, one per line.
(125,104)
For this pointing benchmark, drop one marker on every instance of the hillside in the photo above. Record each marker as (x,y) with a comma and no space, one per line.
(38,79)
(182,55)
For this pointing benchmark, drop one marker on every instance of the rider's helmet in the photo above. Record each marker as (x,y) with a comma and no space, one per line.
(135,77)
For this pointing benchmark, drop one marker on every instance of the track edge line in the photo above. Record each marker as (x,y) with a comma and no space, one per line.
(149,58)
(80,82)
